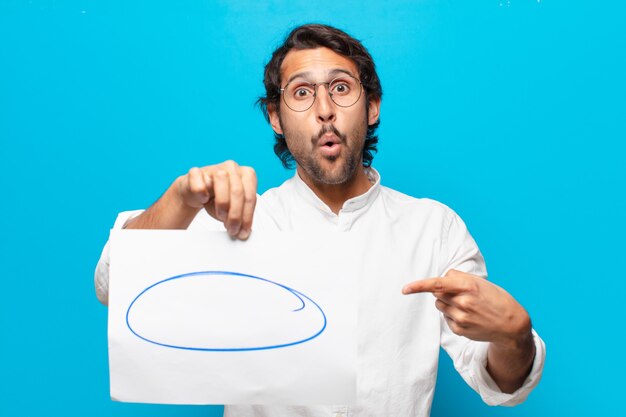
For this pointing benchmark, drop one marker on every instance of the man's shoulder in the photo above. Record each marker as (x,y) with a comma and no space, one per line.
(276,198)
(288,186)
(410,203)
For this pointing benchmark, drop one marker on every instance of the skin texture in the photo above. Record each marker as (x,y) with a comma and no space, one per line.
(472,306)
(340,177)
(226,191)
(480,310)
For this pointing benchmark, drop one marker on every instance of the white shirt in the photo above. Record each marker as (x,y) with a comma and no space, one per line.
(398,335)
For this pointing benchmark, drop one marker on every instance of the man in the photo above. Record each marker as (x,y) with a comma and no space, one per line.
(323,101)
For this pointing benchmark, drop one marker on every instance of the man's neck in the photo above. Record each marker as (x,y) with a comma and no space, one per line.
(335,195)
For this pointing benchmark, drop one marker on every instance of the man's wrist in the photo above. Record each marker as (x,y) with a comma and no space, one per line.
(519,333)
(521,342)
(169,212)
(509,364)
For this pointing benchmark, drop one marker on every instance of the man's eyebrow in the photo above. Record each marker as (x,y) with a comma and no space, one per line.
(303,74)
(308,74)
(341,71)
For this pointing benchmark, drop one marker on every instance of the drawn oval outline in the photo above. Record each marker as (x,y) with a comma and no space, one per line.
(296,293)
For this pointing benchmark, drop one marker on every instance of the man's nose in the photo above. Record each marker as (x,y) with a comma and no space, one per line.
(324,106)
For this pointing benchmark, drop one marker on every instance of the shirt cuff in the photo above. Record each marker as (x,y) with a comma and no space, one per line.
(489,390)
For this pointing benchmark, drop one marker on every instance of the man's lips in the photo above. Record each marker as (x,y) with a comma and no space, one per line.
(329,145)
(329,139)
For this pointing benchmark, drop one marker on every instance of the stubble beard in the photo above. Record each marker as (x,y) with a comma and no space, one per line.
(347,162)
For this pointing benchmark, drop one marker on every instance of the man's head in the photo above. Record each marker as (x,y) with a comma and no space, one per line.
(323,49)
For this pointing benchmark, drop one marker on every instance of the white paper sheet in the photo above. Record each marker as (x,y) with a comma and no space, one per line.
(199,318)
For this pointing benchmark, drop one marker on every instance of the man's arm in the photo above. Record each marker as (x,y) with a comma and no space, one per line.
(226,191)
(480,310)
(509,365)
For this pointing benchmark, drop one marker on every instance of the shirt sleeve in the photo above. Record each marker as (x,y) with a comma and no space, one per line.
(101,276)
(460,252)
(202,221)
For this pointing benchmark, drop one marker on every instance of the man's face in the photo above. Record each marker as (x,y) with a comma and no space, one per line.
(325,140)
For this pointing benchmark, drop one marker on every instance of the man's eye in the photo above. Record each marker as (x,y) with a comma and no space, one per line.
(301,93)
(341,88)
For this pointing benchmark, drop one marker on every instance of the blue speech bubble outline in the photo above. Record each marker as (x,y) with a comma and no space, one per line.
(298,294)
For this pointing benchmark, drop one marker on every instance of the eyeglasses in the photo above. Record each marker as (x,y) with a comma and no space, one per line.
(300,95)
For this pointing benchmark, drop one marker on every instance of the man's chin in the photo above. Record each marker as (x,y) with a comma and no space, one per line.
(329,169)
(336,173)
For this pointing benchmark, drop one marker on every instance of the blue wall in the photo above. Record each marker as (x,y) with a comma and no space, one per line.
(511,112)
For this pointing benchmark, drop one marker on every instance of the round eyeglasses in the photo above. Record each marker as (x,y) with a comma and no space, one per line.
(344,91)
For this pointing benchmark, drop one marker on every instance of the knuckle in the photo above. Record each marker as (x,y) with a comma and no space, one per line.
(452,273)
(230,164)
(464,303)
(222,202)
(195,188)
(250,196)
(249,174)
(236,191)
(462,319)
(248,171)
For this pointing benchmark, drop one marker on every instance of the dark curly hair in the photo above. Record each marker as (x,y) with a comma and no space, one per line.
(313,36)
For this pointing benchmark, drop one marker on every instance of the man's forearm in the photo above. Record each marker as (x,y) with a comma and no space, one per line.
(510,365)
(168,212)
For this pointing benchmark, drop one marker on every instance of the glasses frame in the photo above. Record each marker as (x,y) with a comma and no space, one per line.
(328,83)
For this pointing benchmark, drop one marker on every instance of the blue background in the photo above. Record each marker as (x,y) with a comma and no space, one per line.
(511,112)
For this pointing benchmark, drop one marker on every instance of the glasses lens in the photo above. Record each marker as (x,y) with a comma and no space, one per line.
(299,95)
(344,91)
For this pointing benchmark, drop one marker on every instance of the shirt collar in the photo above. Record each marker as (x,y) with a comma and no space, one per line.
(359,202)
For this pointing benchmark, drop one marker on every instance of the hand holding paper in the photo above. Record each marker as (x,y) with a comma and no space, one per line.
(226,191)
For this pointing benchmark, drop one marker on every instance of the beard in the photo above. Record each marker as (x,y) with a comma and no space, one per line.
(329,170)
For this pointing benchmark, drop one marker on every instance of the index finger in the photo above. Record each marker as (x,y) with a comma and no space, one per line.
(448,285)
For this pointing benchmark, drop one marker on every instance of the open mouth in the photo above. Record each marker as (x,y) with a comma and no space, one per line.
(330,147)
(329,140)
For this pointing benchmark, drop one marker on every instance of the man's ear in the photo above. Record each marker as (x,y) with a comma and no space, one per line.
(274,119)
(373,111)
